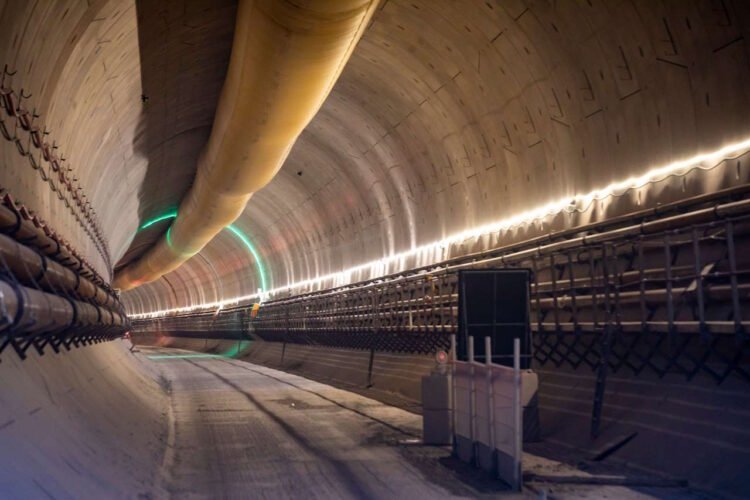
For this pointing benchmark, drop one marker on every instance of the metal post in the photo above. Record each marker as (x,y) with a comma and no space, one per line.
(517,414)
(699,285)
(376,320)
(286,335)
(369,367)
(642,285)
(555,307)
(670,298)
(441,298)
(490,399)
(592,283)
(573,305)
(538,296)
(472,399)
(616,289)
(601,374)
(736,314)
(454,358)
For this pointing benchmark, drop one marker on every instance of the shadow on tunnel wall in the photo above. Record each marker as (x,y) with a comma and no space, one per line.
(184,50)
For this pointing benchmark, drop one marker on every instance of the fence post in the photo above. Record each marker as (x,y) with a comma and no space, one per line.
(454,358)
(472,400)
(490,401)
(517,414)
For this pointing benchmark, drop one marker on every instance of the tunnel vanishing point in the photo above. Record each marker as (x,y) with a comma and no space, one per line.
(239,239)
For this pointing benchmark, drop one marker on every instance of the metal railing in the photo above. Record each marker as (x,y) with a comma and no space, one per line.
(667,296)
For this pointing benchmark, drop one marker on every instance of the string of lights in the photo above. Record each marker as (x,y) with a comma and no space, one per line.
(437,250)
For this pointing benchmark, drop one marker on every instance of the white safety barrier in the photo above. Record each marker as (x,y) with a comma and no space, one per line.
(487,413)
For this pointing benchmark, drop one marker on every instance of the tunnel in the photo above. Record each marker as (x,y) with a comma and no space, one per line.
(240,238)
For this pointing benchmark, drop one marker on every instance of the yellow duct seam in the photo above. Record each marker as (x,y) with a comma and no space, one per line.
(286,57)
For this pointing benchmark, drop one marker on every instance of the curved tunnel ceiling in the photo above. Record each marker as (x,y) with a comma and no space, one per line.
(448,116)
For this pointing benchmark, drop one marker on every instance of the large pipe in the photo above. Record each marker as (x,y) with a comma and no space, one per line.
(286,57)
(34,234)
(25,312)
(33,269)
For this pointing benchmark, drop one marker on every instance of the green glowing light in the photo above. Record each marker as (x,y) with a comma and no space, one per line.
(169,215)
(242,237)
(261,270)
(182,356)
(236,349)
(233,352)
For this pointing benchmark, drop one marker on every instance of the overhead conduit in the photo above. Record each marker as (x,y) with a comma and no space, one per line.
(286,57)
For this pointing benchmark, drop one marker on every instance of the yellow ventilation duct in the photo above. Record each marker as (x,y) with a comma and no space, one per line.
(286,57)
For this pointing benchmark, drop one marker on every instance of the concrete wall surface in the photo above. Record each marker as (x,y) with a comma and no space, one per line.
(454,114)
(696,431)
(449,115)
(398,375)
(89,423)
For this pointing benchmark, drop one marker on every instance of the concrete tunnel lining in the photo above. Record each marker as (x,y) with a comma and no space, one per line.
(95,415)
(437,142)
(446,118)
(600,80)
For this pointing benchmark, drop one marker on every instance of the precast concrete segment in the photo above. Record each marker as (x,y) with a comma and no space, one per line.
(88,423)
(243,430)
(449,115)
(452,115)
(285,60)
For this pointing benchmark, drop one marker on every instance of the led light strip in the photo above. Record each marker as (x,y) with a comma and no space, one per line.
(576,203)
